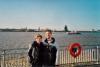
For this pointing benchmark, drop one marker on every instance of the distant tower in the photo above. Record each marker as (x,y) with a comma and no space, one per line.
(38,28)
(93,29)
(66,28)
(26,29)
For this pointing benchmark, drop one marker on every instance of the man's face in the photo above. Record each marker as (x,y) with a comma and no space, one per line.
(38,39)
(48,35)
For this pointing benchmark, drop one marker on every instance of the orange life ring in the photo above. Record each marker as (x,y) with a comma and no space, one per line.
(75,49)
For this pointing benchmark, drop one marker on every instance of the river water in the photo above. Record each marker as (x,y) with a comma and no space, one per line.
(11,40)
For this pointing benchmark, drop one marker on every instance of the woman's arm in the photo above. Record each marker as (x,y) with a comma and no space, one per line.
(30,55)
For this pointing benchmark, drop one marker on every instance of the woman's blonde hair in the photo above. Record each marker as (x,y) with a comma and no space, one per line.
(38,35)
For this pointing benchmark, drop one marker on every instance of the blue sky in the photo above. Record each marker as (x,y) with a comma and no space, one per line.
(54,14)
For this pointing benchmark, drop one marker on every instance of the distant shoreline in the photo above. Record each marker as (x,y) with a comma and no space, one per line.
(36,30)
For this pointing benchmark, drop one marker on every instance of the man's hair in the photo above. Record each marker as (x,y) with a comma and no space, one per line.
(48,30)
(38,35)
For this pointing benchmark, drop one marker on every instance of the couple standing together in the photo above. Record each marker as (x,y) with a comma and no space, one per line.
(43,53)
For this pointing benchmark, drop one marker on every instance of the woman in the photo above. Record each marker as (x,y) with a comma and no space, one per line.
(35,52)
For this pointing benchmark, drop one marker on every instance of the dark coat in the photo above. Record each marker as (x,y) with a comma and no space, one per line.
(36,54)
(49,53)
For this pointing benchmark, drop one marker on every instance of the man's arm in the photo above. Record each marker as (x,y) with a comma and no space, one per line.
(57,54)
(54,52)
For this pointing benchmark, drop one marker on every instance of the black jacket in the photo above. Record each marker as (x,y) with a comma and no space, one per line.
(49,53)
(36,54)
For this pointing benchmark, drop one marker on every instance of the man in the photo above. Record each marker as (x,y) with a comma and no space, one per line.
(51,50)
(35,52)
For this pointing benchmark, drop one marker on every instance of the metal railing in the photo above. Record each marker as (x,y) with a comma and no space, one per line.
(19,58)
(14,58)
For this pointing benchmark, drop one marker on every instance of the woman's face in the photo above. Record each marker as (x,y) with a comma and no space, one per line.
(48,35)
(38,39)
